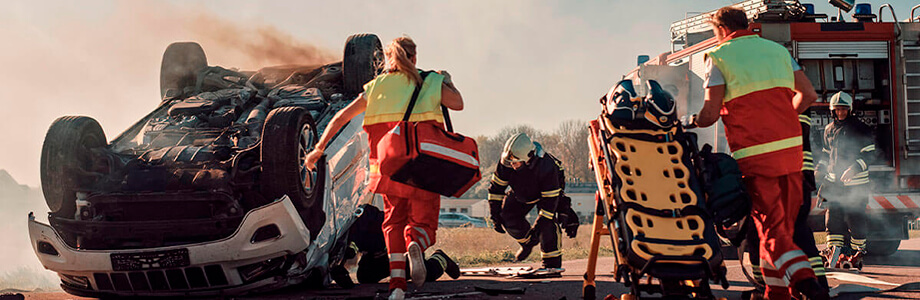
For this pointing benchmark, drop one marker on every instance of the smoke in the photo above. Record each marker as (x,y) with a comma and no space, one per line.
(101,61)
(19,267)
(259,44)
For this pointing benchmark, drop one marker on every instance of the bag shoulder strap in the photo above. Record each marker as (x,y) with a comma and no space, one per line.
(418,88)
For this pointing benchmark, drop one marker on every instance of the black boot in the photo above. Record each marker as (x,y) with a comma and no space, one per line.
(373,267)
(450,267)
(525,251)
(812,290)
(552,262)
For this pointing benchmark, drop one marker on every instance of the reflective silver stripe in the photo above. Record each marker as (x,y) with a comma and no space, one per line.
(496,197)
(397,257)
(830,177)
(534,201)
(786,257)
(427,242)
(524,240)
(498,181)
(546,214)
(397,273)
(449,153)
(868,148)
(828,151)
(796,267)
(862,163)
(773,281)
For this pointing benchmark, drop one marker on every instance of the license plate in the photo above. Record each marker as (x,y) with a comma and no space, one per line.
(150,260)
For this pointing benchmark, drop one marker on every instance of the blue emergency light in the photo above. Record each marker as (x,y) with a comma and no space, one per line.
(809,8)
(863,9)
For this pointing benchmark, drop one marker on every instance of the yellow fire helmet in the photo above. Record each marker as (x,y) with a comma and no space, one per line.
(841,99)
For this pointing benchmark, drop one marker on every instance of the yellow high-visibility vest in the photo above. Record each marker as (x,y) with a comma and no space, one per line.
(749,64)
(388,97)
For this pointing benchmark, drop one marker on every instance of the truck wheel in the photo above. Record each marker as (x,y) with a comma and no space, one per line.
(882,248)
(288,136)
(180,66)
(363,58)
(66,159)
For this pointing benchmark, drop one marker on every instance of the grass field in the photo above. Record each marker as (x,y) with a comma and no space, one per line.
(471,247)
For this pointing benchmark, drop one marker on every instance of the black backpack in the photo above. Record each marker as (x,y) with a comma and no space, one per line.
(726,197)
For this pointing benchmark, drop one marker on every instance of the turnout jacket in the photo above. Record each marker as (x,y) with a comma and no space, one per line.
(543,178)
(848,143)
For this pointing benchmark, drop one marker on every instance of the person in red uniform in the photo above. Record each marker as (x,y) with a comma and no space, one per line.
(753,85)
(411,213)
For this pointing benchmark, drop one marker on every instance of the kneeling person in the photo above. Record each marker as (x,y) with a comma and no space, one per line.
(536,179)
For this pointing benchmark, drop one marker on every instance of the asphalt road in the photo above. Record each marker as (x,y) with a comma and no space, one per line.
(879,273)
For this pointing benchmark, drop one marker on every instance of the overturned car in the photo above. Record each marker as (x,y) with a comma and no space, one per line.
(209,194)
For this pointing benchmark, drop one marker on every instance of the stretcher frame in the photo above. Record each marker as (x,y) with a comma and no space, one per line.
(604,224)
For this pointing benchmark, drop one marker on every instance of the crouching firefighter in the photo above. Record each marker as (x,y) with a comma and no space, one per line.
(536,179)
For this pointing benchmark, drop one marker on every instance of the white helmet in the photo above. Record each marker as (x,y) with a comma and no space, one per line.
(518,148)
(841,99)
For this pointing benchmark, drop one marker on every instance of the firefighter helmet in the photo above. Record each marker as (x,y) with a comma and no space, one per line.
(660,108)
(841,99)
(622,102)
(518,148)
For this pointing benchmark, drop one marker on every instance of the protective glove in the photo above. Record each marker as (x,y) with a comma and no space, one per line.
(495,214)
(848,174)
(568,220)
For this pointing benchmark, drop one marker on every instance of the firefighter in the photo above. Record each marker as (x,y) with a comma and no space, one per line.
(758,90)
(536,179)
(411,213)
(850,148)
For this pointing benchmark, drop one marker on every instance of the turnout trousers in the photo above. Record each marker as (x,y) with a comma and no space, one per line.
(545,230)
(846,215)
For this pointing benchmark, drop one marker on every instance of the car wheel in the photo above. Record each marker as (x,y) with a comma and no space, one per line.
(180,66)
(882,248)
(288,136)
(363,58)
(67,161)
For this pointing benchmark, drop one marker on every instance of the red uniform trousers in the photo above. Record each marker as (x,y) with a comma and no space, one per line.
(410,213)
(776,203)
(413,219)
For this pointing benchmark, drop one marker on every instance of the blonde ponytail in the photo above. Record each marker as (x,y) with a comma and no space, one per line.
(398,58)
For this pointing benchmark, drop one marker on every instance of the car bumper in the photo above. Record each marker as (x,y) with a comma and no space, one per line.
(212,268)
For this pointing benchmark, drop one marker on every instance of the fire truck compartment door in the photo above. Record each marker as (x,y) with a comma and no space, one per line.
(842,50)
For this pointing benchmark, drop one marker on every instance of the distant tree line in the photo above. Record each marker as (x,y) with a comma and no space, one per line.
(568,142)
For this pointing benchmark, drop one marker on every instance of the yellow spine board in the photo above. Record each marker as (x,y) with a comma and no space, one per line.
(654,176)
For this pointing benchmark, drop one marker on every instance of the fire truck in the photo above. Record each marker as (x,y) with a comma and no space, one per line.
(865,54)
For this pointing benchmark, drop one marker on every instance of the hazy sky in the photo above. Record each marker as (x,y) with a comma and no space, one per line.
(515,62)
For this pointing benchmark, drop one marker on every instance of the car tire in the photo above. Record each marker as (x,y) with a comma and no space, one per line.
(882,248)
(66,157)
(362,59)
(288,136)
(180,66)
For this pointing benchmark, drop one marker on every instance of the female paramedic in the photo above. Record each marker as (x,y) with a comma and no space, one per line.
(411,213)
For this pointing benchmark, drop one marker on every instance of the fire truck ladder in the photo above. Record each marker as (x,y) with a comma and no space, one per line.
(910,55)
(910,59)
(758,10)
